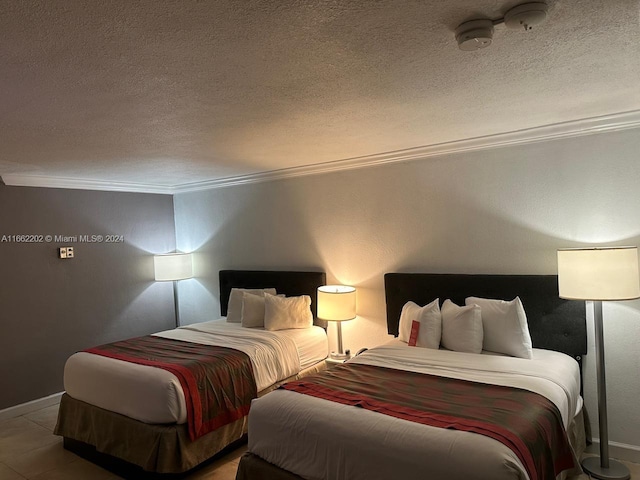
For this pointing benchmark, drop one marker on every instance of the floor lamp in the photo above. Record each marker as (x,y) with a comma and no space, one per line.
(600,274)
(337,303)
(172,267)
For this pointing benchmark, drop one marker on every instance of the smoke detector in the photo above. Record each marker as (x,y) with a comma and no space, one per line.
(477,34)
(474,34)
(526,15)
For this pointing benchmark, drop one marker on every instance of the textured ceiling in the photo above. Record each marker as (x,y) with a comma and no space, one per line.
(172,92)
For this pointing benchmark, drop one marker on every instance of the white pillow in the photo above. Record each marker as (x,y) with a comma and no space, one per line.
(252,310)
(430,323)
(234,308)
(505,326)
(461,327)
(281,313)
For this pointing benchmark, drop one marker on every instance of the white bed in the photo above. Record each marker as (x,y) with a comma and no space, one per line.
(130,418)
(154,395)
(337,450)
(298,436)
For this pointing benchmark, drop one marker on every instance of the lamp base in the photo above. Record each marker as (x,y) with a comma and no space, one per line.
(340,356)
(616,470)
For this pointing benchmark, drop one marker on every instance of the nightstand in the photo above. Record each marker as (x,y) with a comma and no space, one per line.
(332,362)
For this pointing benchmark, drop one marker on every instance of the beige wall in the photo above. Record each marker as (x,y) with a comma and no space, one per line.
(503,210)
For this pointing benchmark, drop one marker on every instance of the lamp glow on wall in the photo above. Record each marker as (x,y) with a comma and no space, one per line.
(172,267)
(337,303)
(600,274)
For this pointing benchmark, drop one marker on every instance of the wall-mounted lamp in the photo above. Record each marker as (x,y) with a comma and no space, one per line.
(172,267)
(600,274)
(337,303)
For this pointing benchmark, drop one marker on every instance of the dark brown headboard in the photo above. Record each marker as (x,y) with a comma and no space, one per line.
(289,283)
(554,323)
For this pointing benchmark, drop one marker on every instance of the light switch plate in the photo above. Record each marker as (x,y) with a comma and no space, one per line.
(66,252)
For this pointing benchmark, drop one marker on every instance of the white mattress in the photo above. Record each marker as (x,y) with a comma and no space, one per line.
(154,395)
(319,439)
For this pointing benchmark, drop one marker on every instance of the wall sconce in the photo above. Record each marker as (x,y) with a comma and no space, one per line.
(172,267)
(337,303)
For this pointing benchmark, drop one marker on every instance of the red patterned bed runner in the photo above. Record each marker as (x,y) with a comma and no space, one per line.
(528,423)
(218,382)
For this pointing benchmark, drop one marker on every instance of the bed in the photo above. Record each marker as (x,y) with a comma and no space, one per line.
(294,435)
(132,418)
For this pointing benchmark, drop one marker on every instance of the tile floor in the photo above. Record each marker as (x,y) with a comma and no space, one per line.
(29,450)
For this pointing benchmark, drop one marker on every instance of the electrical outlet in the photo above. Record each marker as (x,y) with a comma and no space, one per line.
(65,252)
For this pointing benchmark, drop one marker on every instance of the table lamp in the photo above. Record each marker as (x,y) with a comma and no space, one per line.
(337,303)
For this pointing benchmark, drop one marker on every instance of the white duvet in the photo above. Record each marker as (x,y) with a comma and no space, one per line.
(154,395)
(319,439)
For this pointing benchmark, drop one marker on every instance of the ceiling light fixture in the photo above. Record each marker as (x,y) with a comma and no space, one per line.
(476,34)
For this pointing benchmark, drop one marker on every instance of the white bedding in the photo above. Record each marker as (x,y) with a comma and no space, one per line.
(319,439)
(154,395)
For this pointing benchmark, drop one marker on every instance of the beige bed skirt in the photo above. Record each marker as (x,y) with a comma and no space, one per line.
(154,448)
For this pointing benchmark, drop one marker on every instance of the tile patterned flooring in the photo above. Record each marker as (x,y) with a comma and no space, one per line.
(29,450)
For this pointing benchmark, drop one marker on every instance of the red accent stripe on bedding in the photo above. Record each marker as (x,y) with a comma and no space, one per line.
(218,382)
(528,423)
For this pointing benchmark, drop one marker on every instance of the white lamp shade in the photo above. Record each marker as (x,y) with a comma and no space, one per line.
(173,266)
(603,273)
(336,303)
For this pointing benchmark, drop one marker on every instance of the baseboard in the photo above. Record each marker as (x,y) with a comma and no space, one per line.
(619,451)
(31,406)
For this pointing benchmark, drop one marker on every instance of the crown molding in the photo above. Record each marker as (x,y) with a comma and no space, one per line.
(20,180)
(557,131)
(576,128)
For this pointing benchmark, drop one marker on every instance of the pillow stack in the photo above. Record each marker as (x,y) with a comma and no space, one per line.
(428,317)
(482,324)
(461,328)
(281,313)
(257,308)
(505,326)
(236,298)
(253,309)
